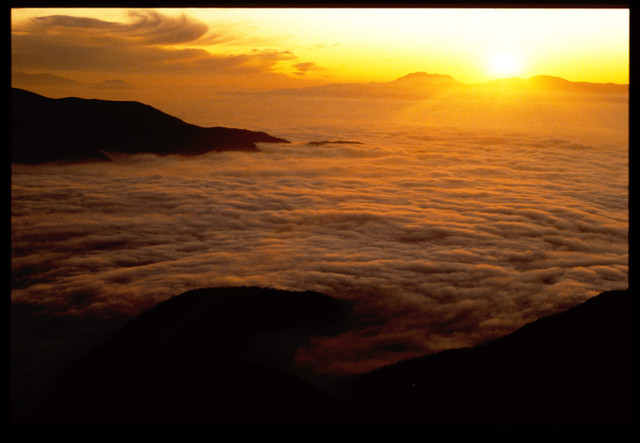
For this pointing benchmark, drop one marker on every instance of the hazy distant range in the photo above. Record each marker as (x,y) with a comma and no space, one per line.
(448,216)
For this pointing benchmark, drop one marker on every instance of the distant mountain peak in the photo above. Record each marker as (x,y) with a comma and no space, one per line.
(25,80)
(113,84)
(422,76)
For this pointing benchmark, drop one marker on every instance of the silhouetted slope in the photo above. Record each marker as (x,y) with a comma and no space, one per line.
(68,129)
(206,356)
(571,367)
(221,356)
(44,345)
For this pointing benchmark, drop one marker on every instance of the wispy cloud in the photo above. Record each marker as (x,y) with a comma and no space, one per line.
(303,67)
(150,42)
(147,27)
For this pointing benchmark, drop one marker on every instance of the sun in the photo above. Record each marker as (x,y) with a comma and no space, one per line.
(504,64)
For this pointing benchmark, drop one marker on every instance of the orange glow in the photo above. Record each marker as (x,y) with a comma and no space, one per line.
(279,47)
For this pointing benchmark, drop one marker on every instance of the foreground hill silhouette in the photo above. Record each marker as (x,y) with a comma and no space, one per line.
(70,129)
(571,367)
(223,356)
(207,356)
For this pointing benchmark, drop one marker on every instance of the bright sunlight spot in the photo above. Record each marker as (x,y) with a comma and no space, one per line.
(503,64)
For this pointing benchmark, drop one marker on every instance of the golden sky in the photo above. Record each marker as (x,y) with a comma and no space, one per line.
(254,47)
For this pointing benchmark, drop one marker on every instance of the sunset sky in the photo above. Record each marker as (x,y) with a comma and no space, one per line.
(270,48)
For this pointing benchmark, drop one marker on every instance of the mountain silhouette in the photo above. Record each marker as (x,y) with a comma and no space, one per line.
(70,129)
(423,85)
(548,84)
(45,79)
(416,85)
(217,355)
(570,367)
(224,355)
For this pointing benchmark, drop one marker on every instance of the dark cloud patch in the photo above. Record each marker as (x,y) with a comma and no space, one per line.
(55,22)
(69,53)
(303,67)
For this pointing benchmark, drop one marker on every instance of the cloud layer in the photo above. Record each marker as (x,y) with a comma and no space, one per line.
(442,236)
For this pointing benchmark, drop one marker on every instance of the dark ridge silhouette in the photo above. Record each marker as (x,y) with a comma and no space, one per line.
(24,80)
(552,84)
(570,367)
(44,79)
(44,345)
(421,85)
(207,356)
(71,129)
(415,85)
(333,142)
(222,356)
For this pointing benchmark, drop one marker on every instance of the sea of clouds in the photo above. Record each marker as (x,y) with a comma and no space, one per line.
(443,233)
